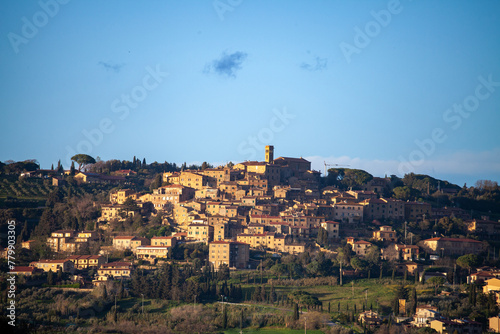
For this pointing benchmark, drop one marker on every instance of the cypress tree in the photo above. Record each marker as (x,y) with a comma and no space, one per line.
(295,311)
(50,278)
(224,318)
(414,301)
(329,307)
(474,294)
(120,290)
(59,274)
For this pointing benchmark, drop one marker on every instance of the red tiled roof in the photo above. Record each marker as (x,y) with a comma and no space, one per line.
(50,261)
(20,269)
(452,239)
(292,159)
(116,264)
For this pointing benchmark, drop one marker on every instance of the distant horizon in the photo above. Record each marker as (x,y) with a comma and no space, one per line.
(368,84)
(317,164)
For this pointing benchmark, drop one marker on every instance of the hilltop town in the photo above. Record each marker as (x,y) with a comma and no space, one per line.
(245,233)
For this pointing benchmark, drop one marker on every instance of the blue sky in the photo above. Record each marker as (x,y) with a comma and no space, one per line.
(386,86)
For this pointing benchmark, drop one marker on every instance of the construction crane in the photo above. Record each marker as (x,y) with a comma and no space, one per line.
(336,165)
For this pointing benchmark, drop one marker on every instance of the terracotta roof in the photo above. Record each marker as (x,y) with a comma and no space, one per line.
(116,264)
(452,239)
(228,242)
(482,274)
(50,261)
(19,269)
(157,247)
(292,159)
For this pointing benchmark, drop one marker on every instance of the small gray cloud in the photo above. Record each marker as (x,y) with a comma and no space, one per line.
(320,64)
(109,66)
(227,64)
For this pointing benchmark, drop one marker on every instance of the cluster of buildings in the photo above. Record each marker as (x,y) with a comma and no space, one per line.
(278,205)
(429,316)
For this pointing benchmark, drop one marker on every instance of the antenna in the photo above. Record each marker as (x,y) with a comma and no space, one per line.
(334,165)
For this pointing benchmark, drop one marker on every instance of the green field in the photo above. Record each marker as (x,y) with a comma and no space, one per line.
(368,292)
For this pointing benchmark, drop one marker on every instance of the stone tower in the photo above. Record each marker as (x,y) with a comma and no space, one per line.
(269,154)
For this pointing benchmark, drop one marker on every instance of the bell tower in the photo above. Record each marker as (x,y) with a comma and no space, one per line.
(269,154)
